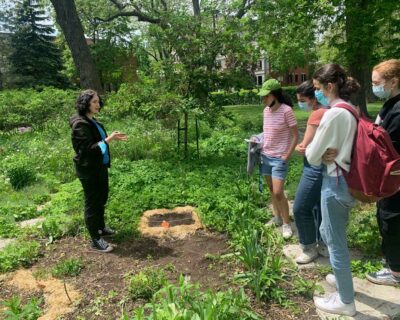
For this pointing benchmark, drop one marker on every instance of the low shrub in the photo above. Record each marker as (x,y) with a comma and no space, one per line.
(146,283)
(21,253)
(363,232)
(21,175)
(67,268)
(223,98)
(28,107)
(15,310)
(242,97)
(145,99)
(62,225)
(8,226)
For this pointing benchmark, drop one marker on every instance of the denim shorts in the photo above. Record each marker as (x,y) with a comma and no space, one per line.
(274,166)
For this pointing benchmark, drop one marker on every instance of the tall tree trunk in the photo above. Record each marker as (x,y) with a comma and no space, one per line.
(68,19)
(196,7)
(359,38)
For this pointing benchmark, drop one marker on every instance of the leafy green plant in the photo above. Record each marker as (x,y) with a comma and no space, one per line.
(363,231)
(16,311)
(362,267)
(67,268)
(61,225)
(21,253)
(263,263)
(186,302)
(8,227)
(145,283)
(21,176)
(304,287)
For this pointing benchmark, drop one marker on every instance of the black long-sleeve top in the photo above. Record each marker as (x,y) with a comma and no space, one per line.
(85,141)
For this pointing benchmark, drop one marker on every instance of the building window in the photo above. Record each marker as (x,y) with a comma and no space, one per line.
(296,78)
(303,77)
(259,80)
(290,78)
(260,65)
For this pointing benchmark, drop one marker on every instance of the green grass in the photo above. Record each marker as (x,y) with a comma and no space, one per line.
(254,112)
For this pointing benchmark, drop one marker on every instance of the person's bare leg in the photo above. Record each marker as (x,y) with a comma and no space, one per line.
(281,200)
(275,205)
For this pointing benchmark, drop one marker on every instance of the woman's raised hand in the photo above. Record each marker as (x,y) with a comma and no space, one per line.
(119,136)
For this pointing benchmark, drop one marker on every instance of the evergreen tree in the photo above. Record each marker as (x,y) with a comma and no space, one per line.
(36,60)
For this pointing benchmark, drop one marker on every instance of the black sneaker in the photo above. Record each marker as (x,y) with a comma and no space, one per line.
(106,232)
(101,245)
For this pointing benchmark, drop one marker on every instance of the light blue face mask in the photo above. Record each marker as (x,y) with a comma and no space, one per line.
(380,92)
(304,106)
(321,98)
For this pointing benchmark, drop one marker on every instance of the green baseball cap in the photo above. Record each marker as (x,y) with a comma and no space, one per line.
(268,86)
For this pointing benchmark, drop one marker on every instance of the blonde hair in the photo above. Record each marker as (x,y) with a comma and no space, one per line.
(389,69)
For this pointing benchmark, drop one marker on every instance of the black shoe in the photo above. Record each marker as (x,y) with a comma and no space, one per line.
(106,232)
(101,245)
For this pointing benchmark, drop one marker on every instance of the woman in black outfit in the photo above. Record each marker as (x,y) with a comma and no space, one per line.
(386,85)
(92,160)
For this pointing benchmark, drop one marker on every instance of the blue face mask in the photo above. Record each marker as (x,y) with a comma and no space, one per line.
(304,106)
(321,98)
(380,92)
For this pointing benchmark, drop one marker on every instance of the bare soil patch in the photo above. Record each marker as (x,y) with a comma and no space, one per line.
(177,223)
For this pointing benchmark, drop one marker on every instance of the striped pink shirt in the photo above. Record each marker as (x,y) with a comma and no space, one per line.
(276,130)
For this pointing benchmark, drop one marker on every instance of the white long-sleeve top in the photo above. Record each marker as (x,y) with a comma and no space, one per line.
(336,131)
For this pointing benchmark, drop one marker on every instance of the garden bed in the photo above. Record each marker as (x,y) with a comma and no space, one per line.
(103,281)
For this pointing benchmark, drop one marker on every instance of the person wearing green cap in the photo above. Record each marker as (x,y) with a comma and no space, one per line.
(280,139)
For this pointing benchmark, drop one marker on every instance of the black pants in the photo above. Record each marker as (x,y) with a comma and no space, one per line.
(390,232)
(95,187)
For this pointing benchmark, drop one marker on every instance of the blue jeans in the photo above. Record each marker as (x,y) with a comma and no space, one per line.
(307,205)
(336,203)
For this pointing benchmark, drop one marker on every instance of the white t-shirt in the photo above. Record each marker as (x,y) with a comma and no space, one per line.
(336,131)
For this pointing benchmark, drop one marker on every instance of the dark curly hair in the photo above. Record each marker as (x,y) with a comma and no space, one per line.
(83,101)
(334,73)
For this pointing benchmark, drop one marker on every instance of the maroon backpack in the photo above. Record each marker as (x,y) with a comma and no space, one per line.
(375,164)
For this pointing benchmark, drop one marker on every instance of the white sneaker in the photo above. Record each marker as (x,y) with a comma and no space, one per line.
(307,256)
(323,250)
(333,304)
(331,279)
(286,231)
(275,221)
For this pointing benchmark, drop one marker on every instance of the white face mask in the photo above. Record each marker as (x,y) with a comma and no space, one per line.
(380,91)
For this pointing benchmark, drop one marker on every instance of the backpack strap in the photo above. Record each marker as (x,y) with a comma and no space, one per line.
(356,116)
(348,108)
